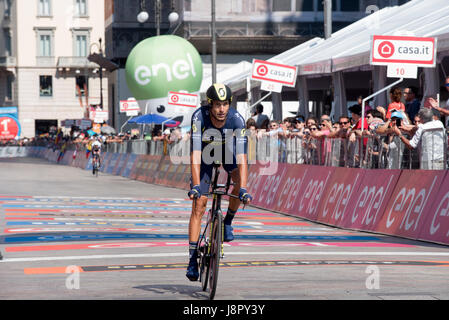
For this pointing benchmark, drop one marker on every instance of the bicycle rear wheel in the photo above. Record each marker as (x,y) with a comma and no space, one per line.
(215,253)
(203,265)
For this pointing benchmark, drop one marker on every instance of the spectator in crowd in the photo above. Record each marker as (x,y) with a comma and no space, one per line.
(356,114)
(412,103)
(251,128)
(325,128)
(157,134)
(431,143)
(434,104)
(298,128)
(259,117)
(342,128)
(311,121)
(375,120)
(396,104)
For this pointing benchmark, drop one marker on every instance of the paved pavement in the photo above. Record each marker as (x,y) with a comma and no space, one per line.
(65,234)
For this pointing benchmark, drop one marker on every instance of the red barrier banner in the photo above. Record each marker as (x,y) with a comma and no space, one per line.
(311,191)
(436,224)
(404,214)
(368,204)
(257,177)
(294,180)
(272,185)
(341,187)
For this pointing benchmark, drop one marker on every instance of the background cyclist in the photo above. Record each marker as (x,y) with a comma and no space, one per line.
(218,133)
(96,150)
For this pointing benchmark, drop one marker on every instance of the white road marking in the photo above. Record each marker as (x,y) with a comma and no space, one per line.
(252,253)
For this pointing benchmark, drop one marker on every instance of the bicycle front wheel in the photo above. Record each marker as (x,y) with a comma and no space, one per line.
(215,253)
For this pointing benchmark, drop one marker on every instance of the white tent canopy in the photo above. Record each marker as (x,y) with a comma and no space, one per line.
(349,47)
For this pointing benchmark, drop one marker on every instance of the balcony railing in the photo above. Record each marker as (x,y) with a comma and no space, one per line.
(75,62)
(8,62)
(45,61)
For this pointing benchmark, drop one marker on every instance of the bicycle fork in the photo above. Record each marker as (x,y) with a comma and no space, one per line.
(211,229)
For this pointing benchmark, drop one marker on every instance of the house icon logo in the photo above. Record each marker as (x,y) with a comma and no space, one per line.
(386,49)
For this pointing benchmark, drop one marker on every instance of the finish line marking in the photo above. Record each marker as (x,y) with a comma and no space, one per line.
(274,263)
(185,254)
(127,245)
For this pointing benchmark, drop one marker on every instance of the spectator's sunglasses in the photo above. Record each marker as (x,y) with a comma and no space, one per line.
(314,128)
(344,122)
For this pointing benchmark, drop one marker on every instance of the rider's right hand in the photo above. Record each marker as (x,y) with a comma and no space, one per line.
(195,192)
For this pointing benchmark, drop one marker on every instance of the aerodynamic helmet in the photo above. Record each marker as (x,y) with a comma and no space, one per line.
(218,92)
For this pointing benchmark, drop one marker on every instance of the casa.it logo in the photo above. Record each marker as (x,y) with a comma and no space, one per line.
(386,49)
(262,70)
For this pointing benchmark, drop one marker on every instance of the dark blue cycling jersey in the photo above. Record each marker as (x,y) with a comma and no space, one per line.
(208,139)
(217,144)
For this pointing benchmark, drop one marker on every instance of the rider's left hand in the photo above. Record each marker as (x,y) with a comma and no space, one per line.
(244,196)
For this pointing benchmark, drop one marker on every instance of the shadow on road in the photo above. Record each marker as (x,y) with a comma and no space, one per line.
(191,291)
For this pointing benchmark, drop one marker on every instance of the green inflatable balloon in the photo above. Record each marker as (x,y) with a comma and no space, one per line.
(161,64)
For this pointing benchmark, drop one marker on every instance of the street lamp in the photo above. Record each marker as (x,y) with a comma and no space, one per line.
(214,43)
(100,69)
(143,15)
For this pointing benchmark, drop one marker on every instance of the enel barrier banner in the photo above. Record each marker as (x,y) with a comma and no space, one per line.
(341,187)
(367,205)
(410,202)
(436,224)
(407,203)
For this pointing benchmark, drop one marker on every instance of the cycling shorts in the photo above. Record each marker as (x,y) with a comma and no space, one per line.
(206,175)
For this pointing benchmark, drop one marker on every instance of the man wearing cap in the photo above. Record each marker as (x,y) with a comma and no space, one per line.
(356,114)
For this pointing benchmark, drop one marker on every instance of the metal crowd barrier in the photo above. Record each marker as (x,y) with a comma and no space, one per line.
(369,152)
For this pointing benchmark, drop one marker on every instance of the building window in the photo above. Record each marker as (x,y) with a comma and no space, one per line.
(44,8)
(304,5)
(82,86)
(45,45)
(8,45)
(350,5)
(81,7)
(9,82)
(45,86)
(81,46)
(7,8)
(282,5)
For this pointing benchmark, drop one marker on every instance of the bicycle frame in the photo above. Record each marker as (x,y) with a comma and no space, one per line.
(214,216)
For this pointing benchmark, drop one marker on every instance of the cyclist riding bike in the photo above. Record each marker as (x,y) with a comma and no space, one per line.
(96,150)
(217,134)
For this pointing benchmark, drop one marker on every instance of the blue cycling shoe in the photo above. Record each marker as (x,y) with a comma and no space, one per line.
(228,235)
(192,270)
